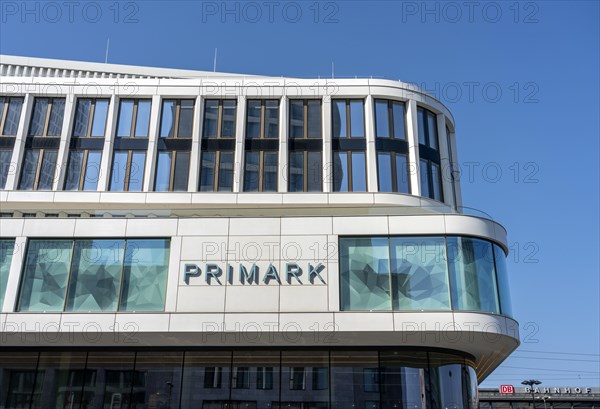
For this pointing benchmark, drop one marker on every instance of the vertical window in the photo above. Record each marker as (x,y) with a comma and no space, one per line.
(129,158)
(134,118)
(10,113)
(392,147)
(174,146)
(261,146)
(240,377)
(429,163)
(264,377)
(452,170)
(5,166)
(305,164)
(87,142)
(42,144)
(349,146)
(297,378)
(218,145)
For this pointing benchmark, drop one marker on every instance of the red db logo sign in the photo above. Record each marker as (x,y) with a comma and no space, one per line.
(507,389)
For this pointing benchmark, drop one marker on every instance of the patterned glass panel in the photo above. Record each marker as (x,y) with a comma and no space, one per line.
(6,252)
(56,117)
(74,170)
(82,117)
(365,274)
(13,113)
(5,166)
(419,273)
(38,119)
(145,275)
(472,273)
(45,278)
(96,275)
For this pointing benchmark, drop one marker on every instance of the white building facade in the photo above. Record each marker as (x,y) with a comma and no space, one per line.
(186,239)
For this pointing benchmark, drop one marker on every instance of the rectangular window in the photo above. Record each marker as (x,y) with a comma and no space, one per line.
(427,125)
(212,377)
(177,118)
(348,118)
(371,379)
(260,173)
(90,118)
(390,119)
(83,170)
(38,169)
(47,117)
(128,171)
(320,378)
(94,275)
(349,172)
(431,179)
(216,171)
(264,377)
(365,274)
(297,378)
(305,118)
(240,377)
(134,118)
(5,166)
(10,113)
(305,162)
(262,146)
(172,171)
(392,172)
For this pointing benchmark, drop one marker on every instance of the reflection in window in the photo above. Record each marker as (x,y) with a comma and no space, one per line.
(212,377)
(134,118)
(371,379)
(349,172)
(38,169)
(393,172)
(5,166)
(305,171)
(219,118)
(472,273)
(264,377)
(365,274)
(348,118)
(262,145)
(10,113)
(431,179)
(297,378)
(390,119)
(172,171)
(419,273)
(7,247)
(90,117)
(305,166)
(128,171)
(240,377)
(93,275)
(177,118)
(47,117)
(83,170)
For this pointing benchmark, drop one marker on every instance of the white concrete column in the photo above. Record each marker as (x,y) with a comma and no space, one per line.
(153,136)
(282,179)
(238,155)
(14,275)
(196,145)
(16,161)
(327,148)
(412,135)
(371,148)
(63,150)
(109,137)
(444,160)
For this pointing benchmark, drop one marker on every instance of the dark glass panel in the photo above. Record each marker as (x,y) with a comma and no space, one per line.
(182,171)
(207,172)
(225,172)
(384,172)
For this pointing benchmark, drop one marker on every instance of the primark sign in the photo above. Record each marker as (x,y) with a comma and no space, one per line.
(246,274)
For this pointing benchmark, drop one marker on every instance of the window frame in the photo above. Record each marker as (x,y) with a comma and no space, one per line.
(391,118)
(4,113)
(127,179)
(38,170)
(90,124)
(348,117)
(306,144)
(48,116)
(176,122)
(394,171)
(134,115)
(174,153)
(84,169)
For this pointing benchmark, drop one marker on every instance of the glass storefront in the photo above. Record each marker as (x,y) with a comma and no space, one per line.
(301,379)
(422,273)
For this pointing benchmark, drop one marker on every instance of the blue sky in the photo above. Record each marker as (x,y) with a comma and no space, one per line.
(522,80)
